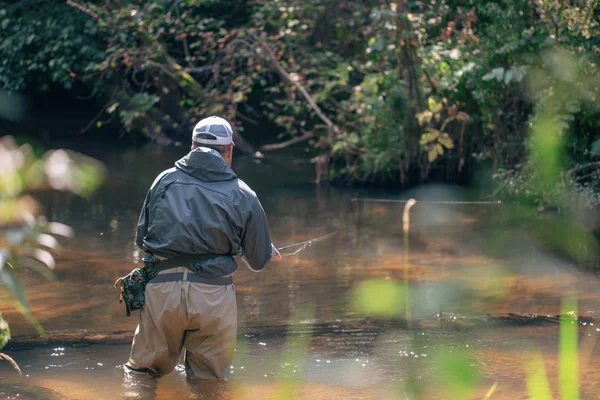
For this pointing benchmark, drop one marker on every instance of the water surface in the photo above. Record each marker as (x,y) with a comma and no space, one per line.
(300,331)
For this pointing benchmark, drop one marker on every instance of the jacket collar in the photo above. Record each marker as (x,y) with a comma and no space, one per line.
(206,164)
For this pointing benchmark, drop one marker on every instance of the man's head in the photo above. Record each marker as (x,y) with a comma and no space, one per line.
(214,133)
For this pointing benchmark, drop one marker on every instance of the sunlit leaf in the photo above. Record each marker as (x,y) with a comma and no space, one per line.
(44,257)
(47,241)
(432,155)
(568,374)
(430,135)
(434,106)
(439,149)
(424,117)
(56,228)
(446,141)
(538,387)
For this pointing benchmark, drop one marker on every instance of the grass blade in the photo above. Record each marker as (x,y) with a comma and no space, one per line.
(568,374)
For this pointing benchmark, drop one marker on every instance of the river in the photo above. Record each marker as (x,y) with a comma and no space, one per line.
(324,323)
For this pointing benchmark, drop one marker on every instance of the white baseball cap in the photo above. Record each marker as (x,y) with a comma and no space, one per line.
(214,126)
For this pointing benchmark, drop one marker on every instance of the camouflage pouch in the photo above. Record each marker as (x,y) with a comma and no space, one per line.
(133,285)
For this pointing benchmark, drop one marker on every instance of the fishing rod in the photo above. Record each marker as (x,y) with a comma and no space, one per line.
(303,245)
(496,202)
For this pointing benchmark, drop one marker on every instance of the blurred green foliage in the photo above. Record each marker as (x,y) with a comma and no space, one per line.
(379,297)
(458,372)
(27,239)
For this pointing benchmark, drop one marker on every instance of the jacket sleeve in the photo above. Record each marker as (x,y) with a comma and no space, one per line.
(256,241)
(142,225)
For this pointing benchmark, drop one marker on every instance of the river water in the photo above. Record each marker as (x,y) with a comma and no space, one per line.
(326,323)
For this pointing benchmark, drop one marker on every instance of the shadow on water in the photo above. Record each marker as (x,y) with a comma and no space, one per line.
(464,296)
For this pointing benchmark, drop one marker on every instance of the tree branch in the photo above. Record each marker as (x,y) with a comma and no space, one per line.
(96,118)
(84,10)
(11,362)
(287,143)
(284,74)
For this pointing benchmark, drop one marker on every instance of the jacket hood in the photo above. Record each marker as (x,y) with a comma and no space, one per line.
(206,164)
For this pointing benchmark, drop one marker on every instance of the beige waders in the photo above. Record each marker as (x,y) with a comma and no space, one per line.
(197,317)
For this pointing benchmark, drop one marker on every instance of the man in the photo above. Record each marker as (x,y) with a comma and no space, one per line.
(199,209)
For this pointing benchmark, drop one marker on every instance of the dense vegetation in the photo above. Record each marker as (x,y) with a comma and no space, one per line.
(405,92)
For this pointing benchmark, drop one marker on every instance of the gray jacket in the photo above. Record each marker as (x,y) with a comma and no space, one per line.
(201,207)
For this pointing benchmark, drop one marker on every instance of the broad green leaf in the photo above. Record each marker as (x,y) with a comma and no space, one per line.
(439,149)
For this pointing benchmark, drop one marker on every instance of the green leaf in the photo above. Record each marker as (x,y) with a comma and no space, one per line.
(99,124)
(432,155)
(434,106)
(429,136)
(446,141)
(15,287)
(4,332)
(438,149)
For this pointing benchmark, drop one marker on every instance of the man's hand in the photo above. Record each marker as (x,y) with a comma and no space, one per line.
(275,253)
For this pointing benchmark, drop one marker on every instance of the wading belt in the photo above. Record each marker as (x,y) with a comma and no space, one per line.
(183,261)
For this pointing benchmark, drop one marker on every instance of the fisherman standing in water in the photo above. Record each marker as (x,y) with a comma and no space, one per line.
(195,218)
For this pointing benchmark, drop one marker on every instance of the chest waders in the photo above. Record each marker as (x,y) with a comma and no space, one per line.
(133,285)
